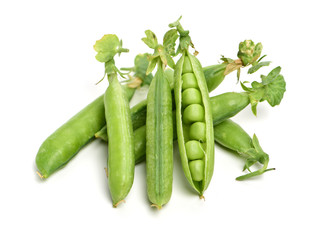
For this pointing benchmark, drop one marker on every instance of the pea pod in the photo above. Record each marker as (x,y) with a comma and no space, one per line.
(197,154)
(192,107)
(159,151)
(159,125)
(230,135)
(121,143)
(63,144)
(121,160)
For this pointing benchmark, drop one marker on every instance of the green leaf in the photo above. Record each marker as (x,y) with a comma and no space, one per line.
(176,23)
(256,145)
(271,89)
(245,88)
(163,55)
(261,58)
(140,68)
(227,60)
(238,74)
(254,104)
(256,85)
(257,51)
(275,90)
(255,97)
(169,41)
(184,38)
(256,67)
(170,61)
(106,47)
(271,76)
(141,63)
(152,64)
(150,40)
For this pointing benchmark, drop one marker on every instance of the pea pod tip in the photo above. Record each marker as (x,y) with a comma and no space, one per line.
(159,207)
(40,175)
(116,204)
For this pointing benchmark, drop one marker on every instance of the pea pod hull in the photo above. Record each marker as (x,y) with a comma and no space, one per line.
(230,135)
(159,140)
(227,105)
(199,186)
(214,75)
(121,159)
(62,145)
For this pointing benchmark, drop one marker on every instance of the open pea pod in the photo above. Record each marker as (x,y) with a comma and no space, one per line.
(194,122)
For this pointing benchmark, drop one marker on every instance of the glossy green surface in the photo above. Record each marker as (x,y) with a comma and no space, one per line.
(159,140)
(194,113)
(198,131)
(121,160)
(62,145)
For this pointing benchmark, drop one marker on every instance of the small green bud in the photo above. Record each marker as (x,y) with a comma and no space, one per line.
(249,52)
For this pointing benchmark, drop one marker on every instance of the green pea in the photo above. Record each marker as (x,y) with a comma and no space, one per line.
(194,150)
(194,113)
(189,81)
(191,96)
(187,66)
(198,131)
(197,169)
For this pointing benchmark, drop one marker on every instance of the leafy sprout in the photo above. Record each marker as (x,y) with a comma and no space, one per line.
(254,155)
(162,53)
(107,48)
(271,89)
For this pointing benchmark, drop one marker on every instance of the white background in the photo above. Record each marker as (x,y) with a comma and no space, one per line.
(48,73)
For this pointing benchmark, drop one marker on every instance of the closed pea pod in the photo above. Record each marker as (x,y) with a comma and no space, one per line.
(230,135)
(121,160)
(62,145)
(159,129)
(120,149)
